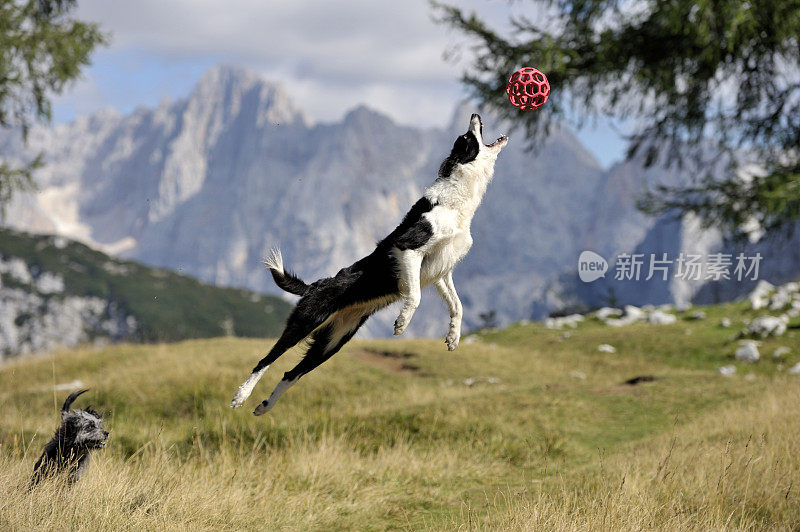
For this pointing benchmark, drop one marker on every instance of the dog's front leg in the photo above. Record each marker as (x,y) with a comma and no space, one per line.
(448,292)
(409,264)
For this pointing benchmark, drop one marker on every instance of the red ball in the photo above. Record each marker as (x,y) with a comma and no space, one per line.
(528,88)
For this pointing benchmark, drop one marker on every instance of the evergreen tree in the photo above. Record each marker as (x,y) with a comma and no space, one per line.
(699,79)
(42,49)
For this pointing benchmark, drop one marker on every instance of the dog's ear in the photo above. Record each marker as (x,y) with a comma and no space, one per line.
(70,398)
(465,149)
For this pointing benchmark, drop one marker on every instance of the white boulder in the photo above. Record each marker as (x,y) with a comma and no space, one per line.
(748,351)
(50,283)
(658,317)
(759,297)
(781,352)
(607,312)
(570,321)
(765,326)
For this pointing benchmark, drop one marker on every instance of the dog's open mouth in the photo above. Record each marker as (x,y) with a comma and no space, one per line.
(501,138)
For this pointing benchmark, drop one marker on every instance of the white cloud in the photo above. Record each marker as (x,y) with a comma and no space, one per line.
(331,55)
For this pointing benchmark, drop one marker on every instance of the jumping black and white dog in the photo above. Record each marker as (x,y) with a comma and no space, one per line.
(422,250)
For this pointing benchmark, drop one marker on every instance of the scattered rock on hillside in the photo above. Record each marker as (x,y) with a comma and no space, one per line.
(607,312)
(17,269)
(725,322)
(659,317)
(727,371)
(606,348)
(570,321)
(759,297)
(632,315)
(748,351)
(50,283)
(785,297)
(794,370)
(648,313)
(765,326)
(697,315)
(781,352)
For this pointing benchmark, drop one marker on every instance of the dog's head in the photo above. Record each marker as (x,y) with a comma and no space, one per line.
(470,149)
(84,428)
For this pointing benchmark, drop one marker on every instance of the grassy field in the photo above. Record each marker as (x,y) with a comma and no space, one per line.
(387,435)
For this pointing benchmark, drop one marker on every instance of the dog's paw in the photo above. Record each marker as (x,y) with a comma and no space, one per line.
(240,396)
(237,401)
(400,325)
(262,408)
(452,339)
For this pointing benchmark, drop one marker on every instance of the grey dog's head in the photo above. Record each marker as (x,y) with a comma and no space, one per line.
(82,428)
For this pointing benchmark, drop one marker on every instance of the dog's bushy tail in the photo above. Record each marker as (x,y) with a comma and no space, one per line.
(284,279)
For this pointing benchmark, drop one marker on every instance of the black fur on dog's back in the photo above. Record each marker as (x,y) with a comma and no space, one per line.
(371,277)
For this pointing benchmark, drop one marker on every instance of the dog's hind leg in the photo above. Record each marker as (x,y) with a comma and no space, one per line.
(409,264)
(327,341)
(302,322)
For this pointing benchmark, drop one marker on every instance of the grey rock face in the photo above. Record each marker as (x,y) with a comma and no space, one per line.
(35,317)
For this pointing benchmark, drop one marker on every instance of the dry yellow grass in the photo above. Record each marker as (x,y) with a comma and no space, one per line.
(736,469)
(363,446)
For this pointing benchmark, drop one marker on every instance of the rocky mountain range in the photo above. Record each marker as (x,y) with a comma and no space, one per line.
(207,184)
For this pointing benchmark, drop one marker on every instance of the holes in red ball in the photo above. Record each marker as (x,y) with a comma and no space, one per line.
(527,88)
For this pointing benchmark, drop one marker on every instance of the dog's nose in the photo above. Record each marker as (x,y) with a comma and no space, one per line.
(105,434)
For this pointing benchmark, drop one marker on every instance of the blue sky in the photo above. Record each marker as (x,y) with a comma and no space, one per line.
(331,56)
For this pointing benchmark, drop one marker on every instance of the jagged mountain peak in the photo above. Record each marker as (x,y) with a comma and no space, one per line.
(226,73)
(362,114)
(233,89)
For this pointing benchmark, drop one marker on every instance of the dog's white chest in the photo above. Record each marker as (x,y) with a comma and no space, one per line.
(442,258)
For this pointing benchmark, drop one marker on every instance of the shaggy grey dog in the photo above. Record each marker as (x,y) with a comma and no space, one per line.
(80,433)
